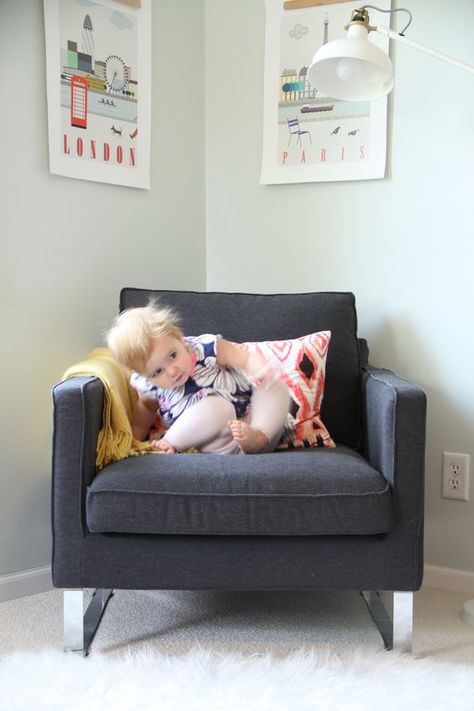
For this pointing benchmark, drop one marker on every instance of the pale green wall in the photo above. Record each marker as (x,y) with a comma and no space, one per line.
(404,245)
(67,246)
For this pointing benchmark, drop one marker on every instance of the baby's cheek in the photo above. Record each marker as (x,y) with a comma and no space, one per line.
(192,364)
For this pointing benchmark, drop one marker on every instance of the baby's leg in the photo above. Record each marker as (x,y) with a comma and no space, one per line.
(261,430)
(204,426)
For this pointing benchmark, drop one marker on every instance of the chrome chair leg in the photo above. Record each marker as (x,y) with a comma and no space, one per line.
(395,624)
(79,626)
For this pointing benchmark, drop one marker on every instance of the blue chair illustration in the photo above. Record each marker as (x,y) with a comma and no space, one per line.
(295,130)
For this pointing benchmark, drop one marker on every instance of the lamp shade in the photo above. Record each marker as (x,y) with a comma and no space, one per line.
(352,69)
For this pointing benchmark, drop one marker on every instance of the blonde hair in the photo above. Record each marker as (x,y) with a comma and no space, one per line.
(131,336)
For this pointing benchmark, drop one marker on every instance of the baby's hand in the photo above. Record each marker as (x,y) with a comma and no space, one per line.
(266,373)
(161,445)
(265,376)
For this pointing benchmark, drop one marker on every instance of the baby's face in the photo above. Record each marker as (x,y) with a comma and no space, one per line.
(169,364)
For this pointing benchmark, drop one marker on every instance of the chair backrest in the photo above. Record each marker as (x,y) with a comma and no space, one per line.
(293,125)
(268,317)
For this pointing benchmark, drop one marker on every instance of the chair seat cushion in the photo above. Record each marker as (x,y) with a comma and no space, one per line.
(290,493)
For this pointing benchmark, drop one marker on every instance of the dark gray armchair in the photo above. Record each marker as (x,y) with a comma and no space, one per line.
(349,518)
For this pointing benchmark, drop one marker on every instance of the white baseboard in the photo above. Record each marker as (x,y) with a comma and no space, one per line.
(451,579)
(26,582)
(37,580)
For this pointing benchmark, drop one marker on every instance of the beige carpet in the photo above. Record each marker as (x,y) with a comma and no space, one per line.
(270,622)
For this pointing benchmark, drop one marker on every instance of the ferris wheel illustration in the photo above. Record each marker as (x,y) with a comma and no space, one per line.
(115,73)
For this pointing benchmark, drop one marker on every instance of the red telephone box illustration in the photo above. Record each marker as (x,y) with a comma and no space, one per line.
(78,102)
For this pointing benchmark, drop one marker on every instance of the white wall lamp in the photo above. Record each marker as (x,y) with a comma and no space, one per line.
(355,69)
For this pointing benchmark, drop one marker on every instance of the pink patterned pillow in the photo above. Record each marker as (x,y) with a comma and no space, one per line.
(301,364)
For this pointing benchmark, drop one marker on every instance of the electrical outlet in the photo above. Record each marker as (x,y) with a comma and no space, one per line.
(455,476)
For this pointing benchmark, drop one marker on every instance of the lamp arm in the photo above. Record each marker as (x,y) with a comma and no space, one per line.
(387,32)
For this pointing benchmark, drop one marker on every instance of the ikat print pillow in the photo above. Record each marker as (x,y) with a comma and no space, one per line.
(301,364)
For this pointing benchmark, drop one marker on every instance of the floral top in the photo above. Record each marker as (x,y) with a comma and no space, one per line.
(207,378)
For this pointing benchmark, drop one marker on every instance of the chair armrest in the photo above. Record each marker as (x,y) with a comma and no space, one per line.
(394,424)
(77,419)
(394,432)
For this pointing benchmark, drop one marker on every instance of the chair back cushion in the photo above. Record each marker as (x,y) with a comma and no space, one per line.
(270,317)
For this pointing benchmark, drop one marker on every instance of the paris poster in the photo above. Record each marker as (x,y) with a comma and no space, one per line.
(309,137)
(98,76)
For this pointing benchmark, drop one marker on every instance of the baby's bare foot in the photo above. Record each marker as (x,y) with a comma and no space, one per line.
(161,445)
(250,440)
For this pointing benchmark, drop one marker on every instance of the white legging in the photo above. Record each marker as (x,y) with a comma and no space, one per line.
(205,427)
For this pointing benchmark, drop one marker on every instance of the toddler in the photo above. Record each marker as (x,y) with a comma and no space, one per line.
(199,385)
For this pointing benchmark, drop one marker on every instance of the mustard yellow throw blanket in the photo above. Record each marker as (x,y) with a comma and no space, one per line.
(115,438)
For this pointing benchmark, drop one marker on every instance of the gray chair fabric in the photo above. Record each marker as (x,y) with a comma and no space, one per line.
(349,518)
(279,494)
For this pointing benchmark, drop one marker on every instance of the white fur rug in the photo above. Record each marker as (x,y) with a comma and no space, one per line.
(363,680)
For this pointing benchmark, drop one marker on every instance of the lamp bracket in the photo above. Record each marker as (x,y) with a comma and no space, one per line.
(363,10)
(360,17)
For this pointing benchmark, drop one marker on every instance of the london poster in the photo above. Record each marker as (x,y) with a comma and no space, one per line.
(98,70)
